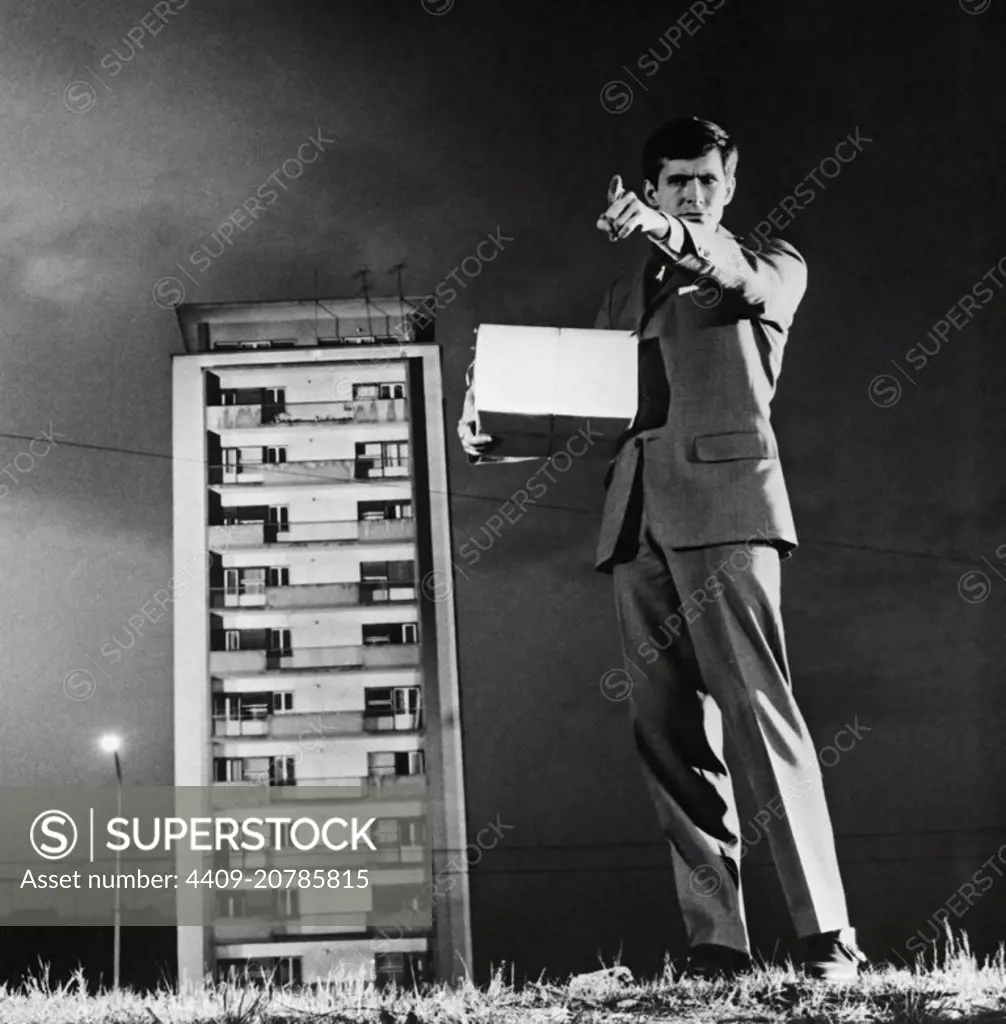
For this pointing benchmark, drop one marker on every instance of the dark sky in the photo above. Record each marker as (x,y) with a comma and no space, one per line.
(448,127)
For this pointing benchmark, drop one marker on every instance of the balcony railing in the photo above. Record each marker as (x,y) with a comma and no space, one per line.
(220,537)
(355,410)
(322,724)
(309,471)
(343,656)
(348,787)
(306,595)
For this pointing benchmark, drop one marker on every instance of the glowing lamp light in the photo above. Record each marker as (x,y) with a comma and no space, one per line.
(110,743)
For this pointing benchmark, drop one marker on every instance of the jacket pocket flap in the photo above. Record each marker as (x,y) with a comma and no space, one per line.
(740,445)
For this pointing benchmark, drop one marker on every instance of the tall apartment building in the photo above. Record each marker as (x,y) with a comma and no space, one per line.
(310,505)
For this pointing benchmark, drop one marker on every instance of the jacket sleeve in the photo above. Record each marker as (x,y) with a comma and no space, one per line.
(768,283)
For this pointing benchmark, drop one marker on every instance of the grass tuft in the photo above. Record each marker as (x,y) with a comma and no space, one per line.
(947,983)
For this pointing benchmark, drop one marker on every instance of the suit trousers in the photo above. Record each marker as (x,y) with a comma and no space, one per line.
(702,637)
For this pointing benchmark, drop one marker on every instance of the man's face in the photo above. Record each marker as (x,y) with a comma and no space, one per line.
(694,190)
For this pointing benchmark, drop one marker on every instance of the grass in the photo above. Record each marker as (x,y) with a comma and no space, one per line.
(951,986)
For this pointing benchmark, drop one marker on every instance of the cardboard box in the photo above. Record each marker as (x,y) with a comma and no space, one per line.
(536,388)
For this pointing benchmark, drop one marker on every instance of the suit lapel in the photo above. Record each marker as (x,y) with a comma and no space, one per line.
(666,290)
(673,280)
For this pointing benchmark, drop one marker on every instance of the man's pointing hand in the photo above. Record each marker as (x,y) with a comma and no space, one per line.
(627,213)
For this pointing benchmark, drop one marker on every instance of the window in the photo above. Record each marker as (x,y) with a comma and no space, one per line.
(392,708)
(397,832)
(382,458)
(226,706)
(279,516)
(402,571)
(273,403)
(395,453)
(390,633)
(232,581)
(386,390)
(385,834)
(235,707)
(391,700)
(384,763)
(252,580)
(387,581)
(278,576)
(279,642)
(412,832)
(228,769)
(406,700)
(282,701)
(232,640)
(231,459)
(370,510)
(281,771)
(273,455)
(255,706)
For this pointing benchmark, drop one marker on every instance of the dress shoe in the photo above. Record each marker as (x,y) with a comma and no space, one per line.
(833,956)
(709,962)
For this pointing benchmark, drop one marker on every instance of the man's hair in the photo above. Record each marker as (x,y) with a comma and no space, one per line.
(687,138)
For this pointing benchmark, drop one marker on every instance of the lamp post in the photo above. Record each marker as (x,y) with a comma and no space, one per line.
(110,744)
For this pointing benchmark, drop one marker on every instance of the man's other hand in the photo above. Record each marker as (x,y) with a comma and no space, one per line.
(627,213)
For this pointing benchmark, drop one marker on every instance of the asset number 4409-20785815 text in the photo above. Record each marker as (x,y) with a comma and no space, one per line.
(285,878)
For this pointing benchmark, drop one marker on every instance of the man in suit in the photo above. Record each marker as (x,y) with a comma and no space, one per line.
(696,521)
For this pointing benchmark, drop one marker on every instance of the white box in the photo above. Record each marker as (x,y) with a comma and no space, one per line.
(535,388)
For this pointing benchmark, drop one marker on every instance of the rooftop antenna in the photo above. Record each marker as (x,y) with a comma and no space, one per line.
(397,270)
(365,289)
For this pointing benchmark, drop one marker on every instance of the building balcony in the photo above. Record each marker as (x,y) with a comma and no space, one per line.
(386,529)
(349,787)
(338,411)
(308,471)
(233,417)
(235,535)
(359,530)
(322,724)
(312,595)
(258,534)
(345,656)
(267,929)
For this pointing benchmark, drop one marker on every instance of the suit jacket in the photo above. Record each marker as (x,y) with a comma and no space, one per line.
(721,317)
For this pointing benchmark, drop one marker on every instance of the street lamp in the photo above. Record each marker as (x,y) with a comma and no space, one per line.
(110,744)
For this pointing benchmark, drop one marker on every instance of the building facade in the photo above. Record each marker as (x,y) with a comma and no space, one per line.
(315,641)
